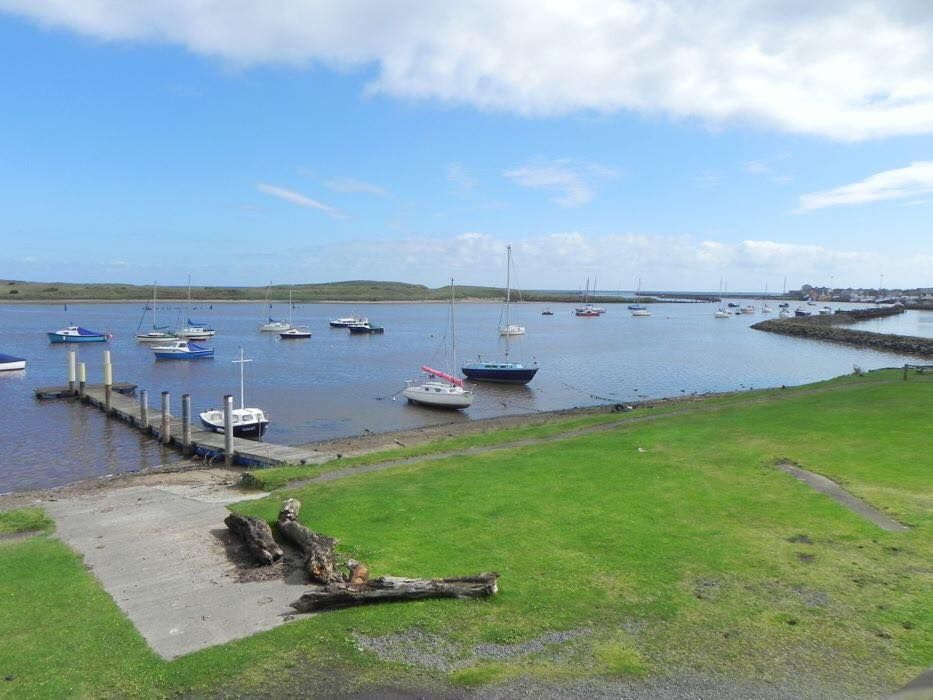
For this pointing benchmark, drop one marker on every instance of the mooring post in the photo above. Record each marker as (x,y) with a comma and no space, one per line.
(186,423)
(144,410)
(82,379)
(165,431)
(228,430)
(108,382)
(905,373)
(72,376)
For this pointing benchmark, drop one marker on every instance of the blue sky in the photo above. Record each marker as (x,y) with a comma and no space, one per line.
(146,147)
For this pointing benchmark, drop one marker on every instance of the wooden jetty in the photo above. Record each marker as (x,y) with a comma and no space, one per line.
(174,432)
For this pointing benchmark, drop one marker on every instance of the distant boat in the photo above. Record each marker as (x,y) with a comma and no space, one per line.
(77,334)
(296,333)
(721,313)
(448,393)
(9,363)
(825,311)
(547,312)
(765,309)
(347,321)
(637,307)
(195,330)
(504,372)
(732,305)
(784,313)
(748,309)
(641,312)
(365,328)
(182,350)
(157,334)
(247,422)
(588,310)
(784,305)
(800,312)
(273,325)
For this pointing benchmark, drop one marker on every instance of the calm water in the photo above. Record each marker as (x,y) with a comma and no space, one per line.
(337,385)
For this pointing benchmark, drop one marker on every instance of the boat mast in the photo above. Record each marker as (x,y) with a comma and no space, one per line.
(154,324)
(453,330)
(508,296)
(241,362)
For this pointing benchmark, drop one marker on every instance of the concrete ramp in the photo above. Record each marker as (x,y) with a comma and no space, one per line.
(159,552)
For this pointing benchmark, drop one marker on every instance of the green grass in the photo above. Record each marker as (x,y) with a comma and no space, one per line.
(673,544)
(24,520)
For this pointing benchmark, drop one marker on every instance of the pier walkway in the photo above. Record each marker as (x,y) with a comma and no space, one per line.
(204,443)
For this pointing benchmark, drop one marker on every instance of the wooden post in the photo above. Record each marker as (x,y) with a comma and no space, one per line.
(144,410)
(228,430)
(108,383)
(905,373)
(186,423)
(82,378)
(72,376)
(165,431)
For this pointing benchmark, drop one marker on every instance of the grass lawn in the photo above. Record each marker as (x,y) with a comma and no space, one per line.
(667,545)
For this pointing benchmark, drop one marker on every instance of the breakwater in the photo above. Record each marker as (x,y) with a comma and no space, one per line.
(827,328)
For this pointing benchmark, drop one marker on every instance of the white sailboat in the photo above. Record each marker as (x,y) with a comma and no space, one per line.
(157,334)
(194,331)
(509,328)
(294,332)
(721,311)
(247,422)
(273,325)
(441,390)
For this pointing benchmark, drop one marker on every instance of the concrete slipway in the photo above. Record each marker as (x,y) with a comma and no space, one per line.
(159,552)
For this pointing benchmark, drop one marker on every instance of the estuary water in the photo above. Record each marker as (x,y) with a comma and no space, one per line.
(336,384)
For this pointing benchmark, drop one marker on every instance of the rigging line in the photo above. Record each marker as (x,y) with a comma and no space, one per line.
(389,396)
(591,395)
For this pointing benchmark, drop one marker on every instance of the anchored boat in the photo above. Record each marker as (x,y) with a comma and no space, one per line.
(347,321)
(247,422)
(9,363)
(365,328)
(182,350)
(77,334)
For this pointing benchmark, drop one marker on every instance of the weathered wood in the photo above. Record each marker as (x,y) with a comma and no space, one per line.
(257,535)
(359,572)
(390,589)
(320,562)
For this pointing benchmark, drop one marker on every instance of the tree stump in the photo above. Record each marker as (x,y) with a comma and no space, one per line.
(257,535)
(320,562)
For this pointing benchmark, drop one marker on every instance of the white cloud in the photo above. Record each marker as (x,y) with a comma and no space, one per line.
(847,69)
(299,199)
(756,167)
(352,185)
(571,180)
(901,183)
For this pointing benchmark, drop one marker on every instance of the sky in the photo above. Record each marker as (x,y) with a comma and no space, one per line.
(684,144)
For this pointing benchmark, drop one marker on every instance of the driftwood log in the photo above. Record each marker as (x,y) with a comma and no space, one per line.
(257,535)
(390,588)
(318,549)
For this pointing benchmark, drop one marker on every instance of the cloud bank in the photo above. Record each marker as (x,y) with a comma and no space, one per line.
(901,183)
(845,69)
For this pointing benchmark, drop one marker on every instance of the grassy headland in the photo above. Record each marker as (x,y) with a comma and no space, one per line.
(356,290)
(656,547)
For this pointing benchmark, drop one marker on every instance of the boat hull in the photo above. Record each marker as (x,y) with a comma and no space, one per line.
(501,375)
(194,355)
(454,403)
(9,363)
(250,431)
(56,338)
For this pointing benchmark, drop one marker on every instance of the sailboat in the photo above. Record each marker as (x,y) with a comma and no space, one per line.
(721,311)
(157,334)
(294,332)
(505,372)
(273,325)
(588,310)
(247,422)
(448,393)
(765,308)
(194,330)
(509,328)
(638,310)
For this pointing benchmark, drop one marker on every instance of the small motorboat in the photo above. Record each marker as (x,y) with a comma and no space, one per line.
(347,321)
(748,309)
(641,313)
(721,313)
(587,311)
(296,333)
(182,350)
(547,312)
(365,328)
(248,423)
(9,363)
(766,309)
(784,314)
(800,312)
(784,305)
(825,311)
(274,326)
(77,334)
(637,307)
(732,305)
